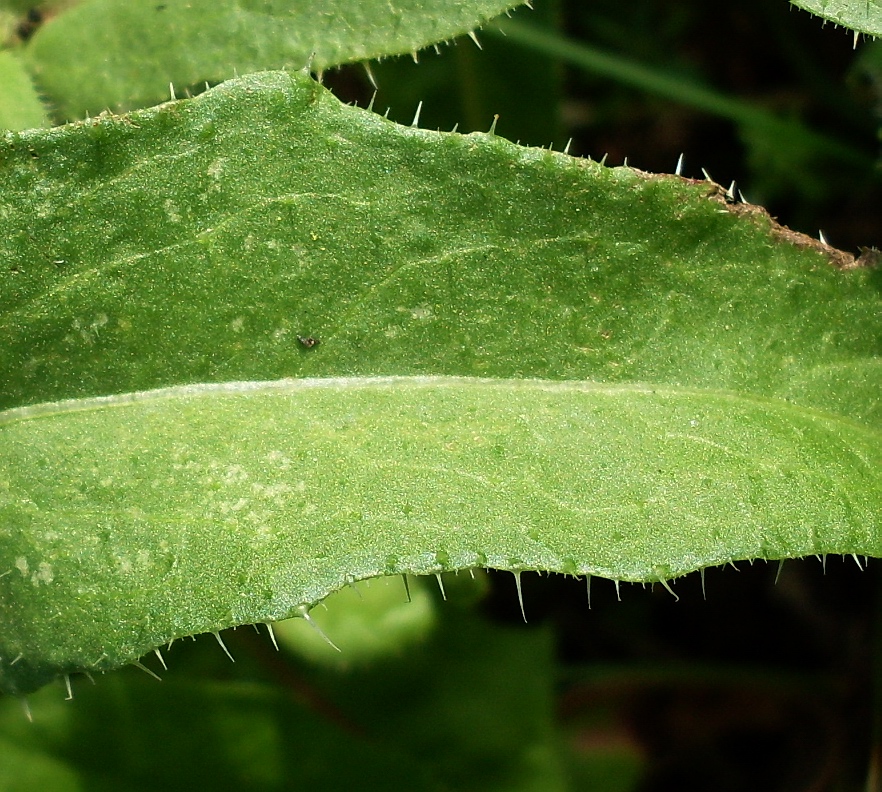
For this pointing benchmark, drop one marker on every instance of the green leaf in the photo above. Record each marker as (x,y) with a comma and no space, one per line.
(20,106)
(25,769)
(121,54)
(19,7)
(526,361)
(863,16)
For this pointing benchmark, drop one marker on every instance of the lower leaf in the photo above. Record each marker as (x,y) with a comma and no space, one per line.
(133,520)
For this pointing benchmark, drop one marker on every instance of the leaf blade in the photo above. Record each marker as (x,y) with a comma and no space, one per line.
(197,509)
(20,106)
(175,246)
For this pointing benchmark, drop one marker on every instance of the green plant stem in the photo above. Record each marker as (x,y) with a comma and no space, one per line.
(674,87)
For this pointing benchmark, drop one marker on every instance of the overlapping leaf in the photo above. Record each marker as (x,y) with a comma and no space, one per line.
(124,53)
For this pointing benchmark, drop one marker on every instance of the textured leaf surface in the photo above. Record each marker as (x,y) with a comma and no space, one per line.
(526,361)
(864,16)
(124,53)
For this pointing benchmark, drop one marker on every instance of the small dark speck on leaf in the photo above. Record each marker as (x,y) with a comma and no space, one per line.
(308,342)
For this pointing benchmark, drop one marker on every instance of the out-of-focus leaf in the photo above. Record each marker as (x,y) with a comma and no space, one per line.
(368,622)
(470,708)
(124,53)
(20,106)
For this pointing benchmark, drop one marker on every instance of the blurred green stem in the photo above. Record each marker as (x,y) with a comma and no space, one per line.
(655,81)
(469,87)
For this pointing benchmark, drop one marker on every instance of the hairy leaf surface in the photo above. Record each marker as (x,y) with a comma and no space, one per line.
(417,352)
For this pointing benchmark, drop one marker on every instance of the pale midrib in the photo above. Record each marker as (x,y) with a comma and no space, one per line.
(295,385)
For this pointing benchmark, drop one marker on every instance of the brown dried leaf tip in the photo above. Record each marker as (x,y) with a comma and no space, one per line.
(870,257)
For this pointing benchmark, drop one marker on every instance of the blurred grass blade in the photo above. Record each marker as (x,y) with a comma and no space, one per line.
(754,119)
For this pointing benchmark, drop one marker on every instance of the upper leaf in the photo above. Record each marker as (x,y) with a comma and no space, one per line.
(120,54)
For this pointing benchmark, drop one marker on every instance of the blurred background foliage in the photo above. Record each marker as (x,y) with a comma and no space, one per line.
(764,684)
